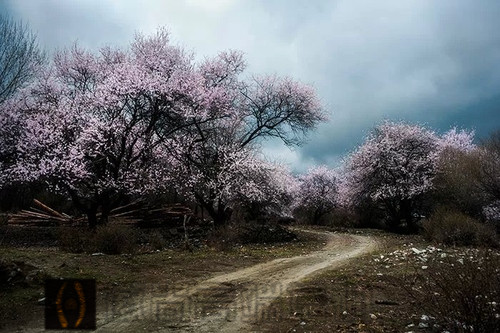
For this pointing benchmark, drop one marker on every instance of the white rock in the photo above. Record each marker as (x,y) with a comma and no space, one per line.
(372,316)
(416,251)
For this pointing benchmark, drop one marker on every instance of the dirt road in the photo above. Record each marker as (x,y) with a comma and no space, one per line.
(231,302)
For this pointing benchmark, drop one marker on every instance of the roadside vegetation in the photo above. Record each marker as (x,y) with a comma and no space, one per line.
(142,157)
(409,285)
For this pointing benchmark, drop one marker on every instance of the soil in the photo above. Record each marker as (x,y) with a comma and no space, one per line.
(231,302)
(327,281)
(122,280)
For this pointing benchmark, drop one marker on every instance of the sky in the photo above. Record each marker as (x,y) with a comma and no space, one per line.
(435,63)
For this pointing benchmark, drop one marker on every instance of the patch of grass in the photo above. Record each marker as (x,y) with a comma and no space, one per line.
(15,303)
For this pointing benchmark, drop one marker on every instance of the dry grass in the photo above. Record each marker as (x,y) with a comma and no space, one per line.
(462,292)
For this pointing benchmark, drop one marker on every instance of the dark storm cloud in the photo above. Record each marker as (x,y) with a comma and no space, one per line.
(434,62)
(60,23)
(430,62)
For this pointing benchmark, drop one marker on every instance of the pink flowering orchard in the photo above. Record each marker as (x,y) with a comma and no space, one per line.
(102,126)
(395,167)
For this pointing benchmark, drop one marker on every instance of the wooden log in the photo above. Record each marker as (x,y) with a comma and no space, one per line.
(25,213)
(47,208)
(33,209)
(123,214)
(114,210)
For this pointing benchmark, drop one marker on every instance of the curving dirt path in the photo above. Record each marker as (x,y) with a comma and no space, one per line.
(231,302)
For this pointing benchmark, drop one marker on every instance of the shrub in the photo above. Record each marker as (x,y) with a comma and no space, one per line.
(75,240)
(27,236)
(10,274)
(341,218)
(156,240)
(225,237)
(462,294)
(109,239)
(301,216)
(457,182)
(115,239)
(450,227)
(19,273)
(263,233)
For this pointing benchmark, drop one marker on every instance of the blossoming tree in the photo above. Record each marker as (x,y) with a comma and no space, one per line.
(263,107)
(395,168)
(317,192)
(101,126)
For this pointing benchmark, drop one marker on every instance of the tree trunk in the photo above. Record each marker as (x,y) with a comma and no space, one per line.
(318,214)
(92,216)
(220,218)
(219,215)
(105,209)
(393,215)
(407,213)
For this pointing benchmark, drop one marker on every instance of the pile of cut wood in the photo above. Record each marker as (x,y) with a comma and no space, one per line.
(132,213)
(42,214)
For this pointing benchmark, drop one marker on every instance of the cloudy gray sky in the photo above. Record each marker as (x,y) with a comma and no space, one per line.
(432,62)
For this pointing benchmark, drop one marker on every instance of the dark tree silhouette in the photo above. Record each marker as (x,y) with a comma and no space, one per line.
(20,56)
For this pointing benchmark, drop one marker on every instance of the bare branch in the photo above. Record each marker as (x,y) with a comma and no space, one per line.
(20,56)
